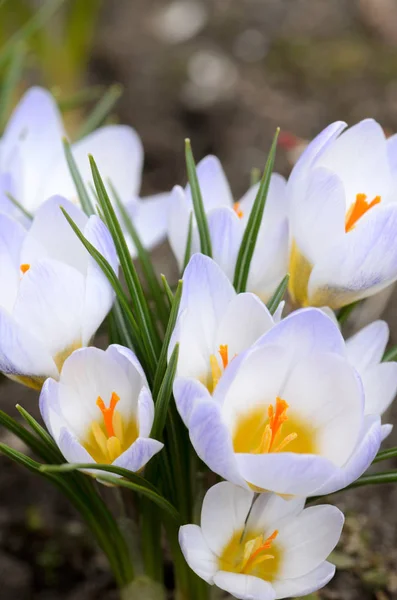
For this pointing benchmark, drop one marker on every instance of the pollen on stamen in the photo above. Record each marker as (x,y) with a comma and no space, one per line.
(24,267)
(108,412)
(237,210)
(358,210)
(224,352)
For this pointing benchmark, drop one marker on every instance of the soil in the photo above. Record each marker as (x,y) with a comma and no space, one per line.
(231,73)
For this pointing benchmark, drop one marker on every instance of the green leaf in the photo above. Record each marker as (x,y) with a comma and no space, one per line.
(168,291)
(41,433)
(251,232)
(79,98)
(20,458)
(19,206)
(188,249)
(385,455)
(278,295)
(255,176)
(39,18)
(32,441)
(144,257)
(198,204)
(148,333)
(162,364)
(101,110)
(113,280)
(375,479)
(81,190)
(143,491)
(390,355)
(10,82)
(164,396)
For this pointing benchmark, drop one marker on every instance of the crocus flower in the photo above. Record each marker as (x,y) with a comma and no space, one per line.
(33,165)
(365,350)
(343,217)
(214,323)
(101,409)
(53,295)
(271,549)
(227,221)
(287,415)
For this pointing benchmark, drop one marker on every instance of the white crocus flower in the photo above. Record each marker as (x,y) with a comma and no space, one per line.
(101,409)
(227,221)
(277,549)
(215,324)
(365,350)
(343,217)
(287,415)
(33,165)
(53,296)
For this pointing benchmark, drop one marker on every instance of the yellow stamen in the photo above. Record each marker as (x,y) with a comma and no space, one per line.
(108,413)
(99,437)
(118,426)
(224,352)
(256,549)
(24,267)
(273,428)
(237,210)
(216,372)
(113,447)
(358,209)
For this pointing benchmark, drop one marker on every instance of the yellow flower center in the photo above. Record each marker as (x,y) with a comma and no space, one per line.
(216,369)
(358,209)
(237,210)
(262,431)
(250,553)
(111,436)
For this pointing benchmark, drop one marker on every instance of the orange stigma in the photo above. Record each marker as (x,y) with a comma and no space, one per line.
(224,352)
(256,555)
(273,428)
(25,267)
(237,210)
(108,413)
(358,209)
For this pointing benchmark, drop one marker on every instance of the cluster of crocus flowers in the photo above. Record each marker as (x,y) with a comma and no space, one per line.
(33,166)
(227,221)
(272,548)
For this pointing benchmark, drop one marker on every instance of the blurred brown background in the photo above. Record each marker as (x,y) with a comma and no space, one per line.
(225,73)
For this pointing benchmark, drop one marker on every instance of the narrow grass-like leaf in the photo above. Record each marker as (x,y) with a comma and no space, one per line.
(143,491)
(101,110)
(346,311)
(144,257)
(20,458)
(251,232)
(168,291)
(80,98)
(19,206)
(162,364)
(385,455)
(32,441)
(255,176)
(188,249)
(278,295)
(81,190)
(164,396)
(41,433)
(390,354)
(198,204)
(10,82)
(39,18)
(375,479)
(112,278)
(148,333)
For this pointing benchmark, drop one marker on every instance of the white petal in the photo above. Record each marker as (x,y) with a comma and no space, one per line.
(138,454)
(386,431)
(188,393)
(244,587)
(50,409)
(308,539)
(224,512)
(359,157)
(51,236)
(145,412)
(196,552)
(367,347)
(178,225)
(380,386)
(362,264)
(226,233)
(22,354)
(11,239)
(213,183)
(276,202)
(150,218)
(245,319)
(71,448)
(323,391)
(49,305)
(270,511)
(308,583)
